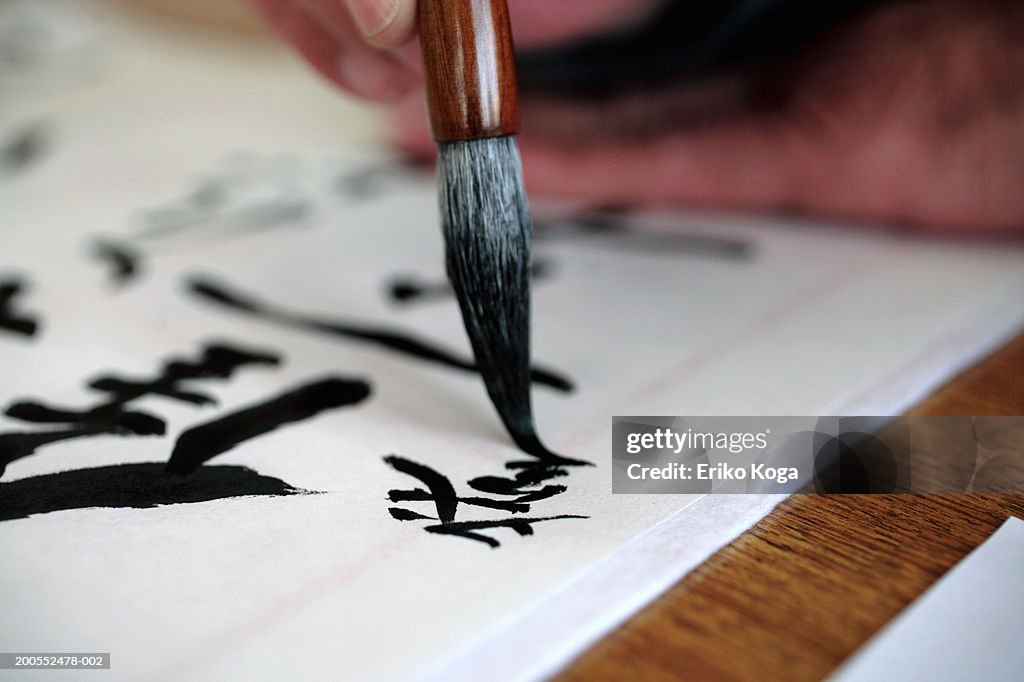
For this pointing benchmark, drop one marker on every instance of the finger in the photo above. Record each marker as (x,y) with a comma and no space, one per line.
(735,165)
(704,144)
(390,23)
(383,23)
(410,130)
(316,44)
(370,72)
(540,23)
(340,57)
(535,23)
(738,166)
(727,155)
(615,142)
(770,166)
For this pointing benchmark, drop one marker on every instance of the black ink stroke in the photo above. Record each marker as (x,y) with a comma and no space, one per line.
(372,180)
(139,486)
(440,491)
(271,214)
(609,228)
(201,443)
(216,206)
(16,445)
(468,529)
(218,361)
(217,293)
(404,289)
(22,148)
(210,193)
(105,418)
(521,485)
(123,261)
(24,325)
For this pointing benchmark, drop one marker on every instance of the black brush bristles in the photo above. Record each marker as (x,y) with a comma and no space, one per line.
(488,232)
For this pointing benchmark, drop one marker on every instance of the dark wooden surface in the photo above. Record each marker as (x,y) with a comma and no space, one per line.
(808,585)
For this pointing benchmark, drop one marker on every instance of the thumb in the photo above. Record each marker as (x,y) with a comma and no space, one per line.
(384,23)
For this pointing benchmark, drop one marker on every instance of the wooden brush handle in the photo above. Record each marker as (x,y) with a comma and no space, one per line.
(470,69)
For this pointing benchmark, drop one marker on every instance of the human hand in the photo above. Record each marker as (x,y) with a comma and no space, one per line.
(367,46)
(911,113)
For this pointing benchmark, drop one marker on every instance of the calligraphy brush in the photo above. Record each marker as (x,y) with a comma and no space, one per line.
(474,114)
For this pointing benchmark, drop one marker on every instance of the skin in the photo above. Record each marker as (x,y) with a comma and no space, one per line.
(912,113)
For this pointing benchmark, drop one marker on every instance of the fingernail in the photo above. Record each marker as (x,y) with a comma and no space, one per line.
(373,16)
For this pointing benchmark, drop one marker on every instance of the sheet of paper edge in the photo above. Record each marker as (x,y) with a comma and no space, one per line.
(950,353)
(548,639)
(860,663)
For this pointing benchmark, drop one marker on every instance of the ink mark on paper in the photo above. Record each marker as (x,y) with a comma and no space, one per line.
(113,416)
(210,224)
(183,478)
(201,443)
(22,148)
(233,203)
(139,486)
(216,293)
(10,320)
(122,261)
(407,289)
(369,181)
(249,195)
(513,495)
(610,228)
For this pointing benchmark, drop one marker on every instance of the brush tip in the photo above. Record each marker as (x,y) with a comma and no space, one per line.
(488,233)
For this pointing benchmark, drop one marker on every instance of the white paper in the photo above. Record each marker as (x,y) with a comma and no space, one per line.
(152,132)
(968,626)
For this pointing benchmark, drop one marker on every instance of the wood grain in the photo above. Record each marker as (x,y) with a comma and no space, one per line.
(809,584)
(470,69)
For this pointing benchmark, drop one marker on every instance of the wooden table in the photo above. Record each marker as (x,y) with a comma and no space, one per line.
(808,585)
